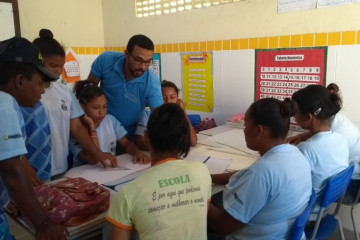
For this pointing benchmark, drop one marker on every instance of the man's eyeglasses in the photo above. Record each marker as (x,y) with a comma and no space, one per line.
(139,61)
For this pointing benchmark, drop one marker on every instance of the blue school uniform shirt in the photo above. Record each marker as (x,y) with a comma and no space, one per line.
(328,154)
(12,144)
(38,142)
(126,99)
(270,194)
(109,131)
(343,125)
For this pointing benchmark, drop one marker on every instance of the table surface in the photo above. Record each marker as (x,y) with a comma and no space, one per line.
(241,159)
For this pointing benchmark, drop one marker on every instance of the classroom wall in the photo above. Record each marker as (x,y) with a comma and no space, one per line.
(73,23)
(244,19)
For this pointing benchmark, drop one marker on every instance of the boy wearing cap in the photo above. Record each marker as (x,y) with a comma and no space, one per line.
(22,77)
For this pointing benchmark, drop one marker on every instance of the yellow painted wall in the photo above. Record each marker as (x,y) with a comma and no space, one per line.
(92,26)
(245,19)
(73,22)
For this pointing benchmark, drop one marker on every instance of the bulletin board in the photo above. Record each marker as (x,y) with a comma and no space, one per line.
(281,72)
(198,81)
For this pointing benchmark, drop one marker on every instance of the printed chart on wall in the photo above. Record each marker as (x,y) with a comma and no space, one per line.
(155,67)
(281,72)
(198,81)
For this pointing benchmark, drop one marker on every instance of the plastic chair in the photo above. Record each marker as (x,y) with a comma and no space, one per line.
(297,230)
(334,192)
(353,204)
(195,119)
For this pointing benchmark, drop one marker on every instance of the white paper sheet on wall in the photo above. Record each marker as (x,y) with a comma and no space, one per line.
(329,3)
(72,69)
(295,5)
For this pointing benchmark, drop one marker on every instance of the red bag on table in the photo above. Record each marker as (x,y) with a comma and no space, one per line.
(72,201)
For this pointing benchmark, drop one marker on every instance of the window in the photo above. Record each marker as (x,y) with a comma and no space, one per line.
(146,8)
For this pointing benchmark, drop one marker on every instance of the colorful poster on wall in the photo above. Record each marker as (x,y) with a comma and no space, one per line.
(281,72)
(156,67)
(198,81)
(71,69)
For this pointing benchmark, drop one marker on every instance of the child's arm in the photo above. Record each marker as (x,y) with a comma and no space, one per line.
(89,123)
(222,178)
(193,136)
(78,131)
(87,157)
(119,233)
(35,181)
(141,143)
(132,149)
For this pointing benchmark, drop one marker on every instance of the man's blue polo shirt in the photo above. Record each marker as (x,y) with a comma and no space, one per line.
(126,100)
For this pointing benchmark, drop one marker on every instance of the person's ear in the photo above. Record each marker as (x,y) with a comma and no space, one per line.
(126,53)
(309,117)
(18,81)
(260,130)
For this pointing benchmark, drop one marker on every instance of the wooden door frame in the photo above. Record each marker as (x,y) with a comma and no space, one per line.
(15,8)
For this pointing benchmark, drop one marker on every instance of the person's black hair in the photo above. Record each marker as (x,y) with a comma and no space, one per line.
(318,101)
(47,45)
(8,70)
(141,41)
(333,87)
(274,114)
(168,130)
(86,91)
(166,83)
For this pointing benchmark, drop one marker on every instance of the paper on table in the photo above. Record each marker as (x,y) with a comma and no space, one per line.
(96,173)
(215,165)
(233,139)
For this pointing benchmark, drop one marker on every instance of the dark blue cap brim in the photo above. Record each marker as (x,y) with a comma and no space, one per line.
(49,75)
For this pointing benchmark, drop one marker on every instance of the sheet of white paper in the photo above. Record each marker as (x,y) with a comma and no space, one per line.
(240,160)
(215,165)
(233,139)
(96,173)
(295,5)
(329,3)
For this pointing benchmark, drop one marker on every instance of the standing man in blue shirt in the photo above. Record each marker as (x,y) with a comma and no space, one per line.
(127,82)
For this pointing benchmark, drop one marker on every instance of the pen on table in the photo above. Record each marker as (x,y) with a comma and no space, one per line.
(206,159)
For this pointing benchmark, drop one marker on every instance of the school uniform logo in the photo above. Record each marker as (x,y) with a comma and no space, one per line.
(63,105)
(113,148)
(13,136)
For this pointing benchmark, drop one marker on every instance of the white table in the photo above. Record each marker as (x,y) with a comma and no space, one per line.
(241,159)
